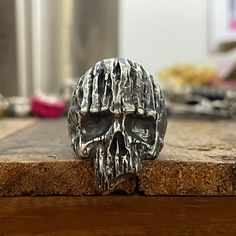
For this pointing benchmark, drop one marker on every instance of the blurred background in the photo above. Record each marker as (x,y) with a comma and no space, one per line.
(184,44)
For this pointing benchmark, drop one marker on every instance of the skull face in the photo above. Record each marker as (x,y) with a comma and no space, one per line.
(117,119)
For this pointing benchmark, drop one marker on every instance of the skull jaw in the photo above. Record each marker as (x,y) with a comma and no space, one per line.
(110,170)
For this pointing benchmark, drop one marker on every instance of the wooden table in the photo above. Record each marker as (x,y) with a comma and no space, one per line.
(118,215)
(198,160)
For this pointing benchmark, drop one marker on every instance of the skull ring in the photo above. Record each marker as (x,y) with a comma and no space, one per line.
(117,119)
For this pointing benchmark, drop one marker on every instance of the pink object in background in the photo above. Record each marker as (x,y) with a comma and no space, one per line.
(47,106)
(232,25)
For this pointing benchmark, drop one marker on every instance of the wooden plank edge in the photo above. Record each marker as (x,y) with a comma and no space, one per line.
(52,178)
(156,178)
(188,178)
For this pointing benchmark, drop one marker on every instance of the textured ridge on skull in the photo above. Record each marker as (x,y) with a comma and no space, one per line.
(117,119)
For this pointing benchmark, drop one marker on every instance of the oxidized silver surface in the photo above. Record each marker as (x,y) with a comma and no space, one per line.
(117,119)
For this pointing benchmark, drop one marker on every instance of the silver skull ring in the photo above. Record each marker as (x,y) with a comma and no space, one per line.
(117,119)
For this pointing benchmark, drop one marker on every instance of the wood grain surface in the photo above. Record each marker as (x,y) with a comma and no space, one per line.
(12,125)
(118,215)
(198,159)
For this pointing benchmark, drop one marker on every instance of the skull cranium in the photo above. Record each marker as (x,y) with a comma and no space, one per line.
(117,119)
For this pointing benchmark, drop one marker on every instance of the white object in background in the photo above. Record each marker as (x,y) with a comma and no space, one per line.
(222,22)
(160,33)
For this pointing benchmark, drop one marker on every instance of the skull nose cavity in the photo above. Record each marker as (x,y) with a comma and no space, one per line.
(118,145)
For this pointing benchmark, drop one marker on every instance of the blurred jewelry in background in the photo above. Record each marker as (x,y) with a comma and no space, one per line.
(47,105)
(14,106)
(197,91)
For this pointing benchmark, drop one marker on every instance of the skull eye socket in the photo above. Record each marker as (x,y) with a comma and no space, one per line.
(95,125)
(141,128)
